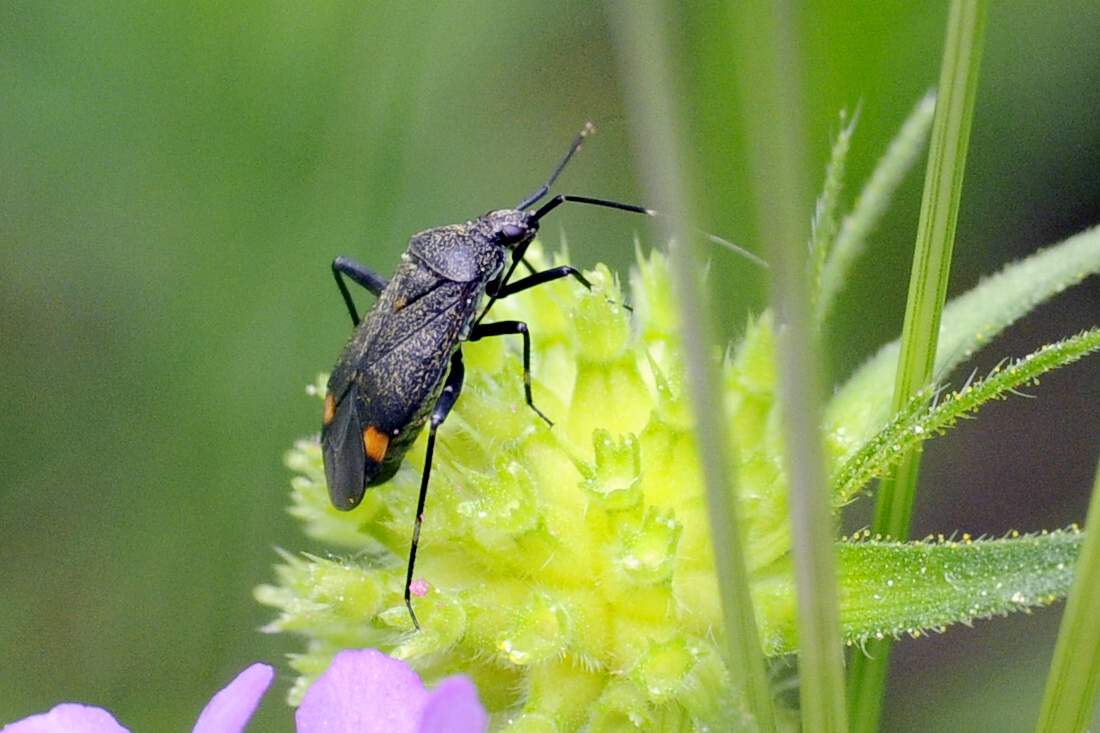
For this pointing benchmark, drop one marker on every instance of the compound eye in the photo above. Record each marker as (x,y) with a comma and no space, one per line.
(512,232)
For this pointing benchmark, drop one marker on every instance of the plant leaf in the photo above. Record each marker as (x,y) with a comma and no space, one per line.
(874,199)
(918,421)
(888,589)
(861,406)
(823,228)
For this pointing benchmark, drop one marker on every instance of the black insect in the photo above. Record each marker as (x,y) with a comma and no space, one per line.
(402,367)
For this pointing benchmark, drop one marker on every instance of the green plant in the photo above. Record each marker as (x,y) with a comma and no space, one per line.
(570,569)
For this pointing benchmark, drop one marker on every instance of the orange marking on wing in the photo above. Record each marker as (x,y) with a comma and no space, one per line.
(330,409)
(375,443)
(400,303)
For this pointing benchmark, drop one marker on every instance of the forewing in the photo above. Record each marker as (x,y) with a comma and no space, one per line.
(438,313)
(342,446)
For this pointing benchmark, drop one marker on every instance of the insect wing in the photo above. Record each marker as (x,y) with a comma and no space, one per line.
(345,457)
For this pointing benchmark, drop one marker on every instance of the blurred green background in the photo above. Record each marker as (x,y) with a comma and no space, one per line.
(176,177)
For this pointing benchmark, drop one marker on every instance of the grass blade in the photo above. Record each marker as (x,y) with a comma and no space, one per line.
(773,107)
(645,60)
(927,294)
(1070,695)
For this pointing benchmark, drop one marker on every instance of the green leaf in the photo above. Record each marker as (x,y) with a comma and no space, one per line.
(873,201)
(861,407)
(918,421)
(890,589)
(894,588)
(823,229)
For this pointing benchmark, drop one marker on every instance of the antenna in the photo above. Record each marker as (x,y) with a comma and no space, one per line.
(544,189)
(562,198)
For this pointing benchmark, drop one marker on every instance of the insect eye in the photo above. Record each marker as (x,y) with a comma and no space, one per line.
(512,232)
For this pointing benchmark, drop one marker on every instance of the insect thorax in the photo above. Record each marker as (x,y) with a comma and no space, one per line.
(461,252)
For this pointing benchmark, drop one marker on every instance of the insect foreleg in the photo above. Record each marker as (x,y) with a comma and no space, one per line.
(507,328)
(372,281)
(443,405)
(540,278)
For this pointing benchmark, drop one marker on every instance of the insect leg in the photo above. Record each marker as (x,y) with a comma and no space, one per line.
(447,398)
(539,278)
(507,328)
(501,288)
(373,282)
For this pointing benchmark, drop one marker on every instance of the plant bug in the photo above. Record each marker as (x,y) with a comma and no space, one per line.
(402,367)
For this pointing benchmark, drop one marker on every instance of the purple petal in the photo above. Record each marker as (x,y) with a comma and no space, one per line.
(230,710)
(453,707)
(363,691)
(68,717)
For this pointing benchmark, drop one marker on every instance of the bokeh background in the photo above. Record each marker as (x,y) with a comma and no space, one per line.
(176,177)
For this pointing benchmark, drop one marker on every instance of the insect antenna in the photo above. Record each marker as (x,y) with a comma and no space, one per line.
(634,208)
(564,198)
(560,199)
(544,189)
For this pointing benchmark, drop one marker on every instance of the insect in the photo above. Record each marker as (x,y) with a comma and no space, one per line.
(402,368)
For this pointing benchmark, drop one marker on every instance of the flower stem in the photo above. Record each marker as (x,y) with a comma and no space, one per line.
(644,54)
(1075,670)
(927,293)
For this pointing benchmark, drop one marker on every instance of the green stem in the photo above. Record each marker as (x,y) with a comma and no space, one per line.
(773,105)
(927,293)
(1075,670)
(649,82)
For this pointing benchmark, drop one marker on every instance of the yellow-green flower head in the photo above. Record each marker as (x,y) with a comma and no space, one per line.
(568,570)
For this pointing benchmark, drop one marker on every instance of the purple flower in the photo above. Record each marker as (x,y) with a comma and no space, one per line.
(364,691)
(70,717)
(227,712)
(230,710)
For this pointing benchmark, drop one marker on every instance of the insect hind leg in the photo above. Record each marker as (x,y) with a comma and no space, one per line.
(371,281)
(447,398)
